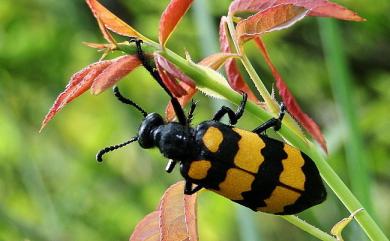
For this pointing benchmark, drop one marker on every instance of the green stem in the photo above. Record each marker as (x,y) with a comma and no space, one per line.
(270,102)
(268,99)
(309,228)
(343,88)
(203,79)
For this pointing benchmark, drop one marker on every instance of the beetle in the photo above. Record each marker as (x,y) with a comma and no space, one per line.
(247,167)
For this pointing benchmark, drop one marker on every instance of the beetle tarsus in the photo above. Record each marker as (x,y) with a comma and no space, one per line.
(233,116)
(276,123)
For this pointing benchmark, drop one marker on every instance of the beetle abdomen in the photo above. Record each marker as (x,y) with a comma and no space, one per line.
(253,170)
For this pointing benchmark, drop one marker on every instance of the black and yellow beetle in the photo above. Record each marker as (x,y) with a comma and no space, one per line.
(247,167)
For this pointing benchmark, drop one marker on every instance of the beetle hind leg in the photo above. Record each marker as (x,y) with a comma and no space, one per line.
(276,123)
(233,116)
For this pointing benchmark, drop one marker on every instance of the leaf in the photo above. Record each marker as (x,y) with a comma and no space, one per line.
(171,17)
(288,99)
(147,228)
(107,36)
(119,68)
(98,76)
(171,69)
(112,22)
(169,75)
(321,8)
(215,61)
(78,84)
(178,215)
(235,79)
(272,19)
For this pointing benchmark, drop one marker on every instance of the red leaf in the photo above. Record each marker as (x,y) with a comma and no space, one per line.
(236,81)
(100,76)
(171,17)
(178,215)
(112,22)
(170,74)
(78,84)
(288,99)
(119,68)
(320,8)
(183,100)
(274,18)
(107,36)
(190,214)
(147,228)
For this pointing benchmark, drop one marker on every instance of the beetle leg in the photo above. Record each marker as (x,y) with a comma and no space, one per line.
(276,123)
(190,115)
(188,190)
(233,116)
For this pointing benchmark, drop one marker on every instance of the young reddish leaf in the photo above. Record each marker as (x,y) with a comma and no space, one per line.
(272,19)
(170,68)
(98,76)
(178,215)
(190,214)
(235,79)
(112,22)
(107,36)
(215,61)
(78,84)
(119,68)
(288,99)
(148,228)
(171,17)
(183,100)
(171,83)
(170,74)
(249,6)
(321,8)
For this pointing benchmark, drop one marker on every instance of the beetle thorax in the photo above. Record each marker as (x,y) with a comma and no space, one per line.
(175,141)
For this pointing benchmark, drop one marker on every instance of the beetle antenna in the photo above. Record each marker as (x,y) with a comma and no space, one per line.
(127,101)
(99,155)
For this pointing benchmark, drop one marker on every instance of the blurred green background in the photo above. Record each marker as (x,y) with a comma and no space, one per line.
(51,187)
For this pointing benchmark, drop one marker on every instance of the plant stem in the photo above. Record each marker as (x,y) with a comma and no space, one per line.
(270,102)
(309,228)
(343,89)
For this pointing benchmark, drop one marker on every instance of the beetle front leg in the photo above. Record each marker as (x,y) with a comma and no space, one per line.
(188,190)
(233,116)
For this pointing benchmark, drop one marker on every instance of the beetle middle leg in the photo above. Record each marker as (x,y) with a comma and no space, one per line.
(233,116)
(188,190)
(276,123)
